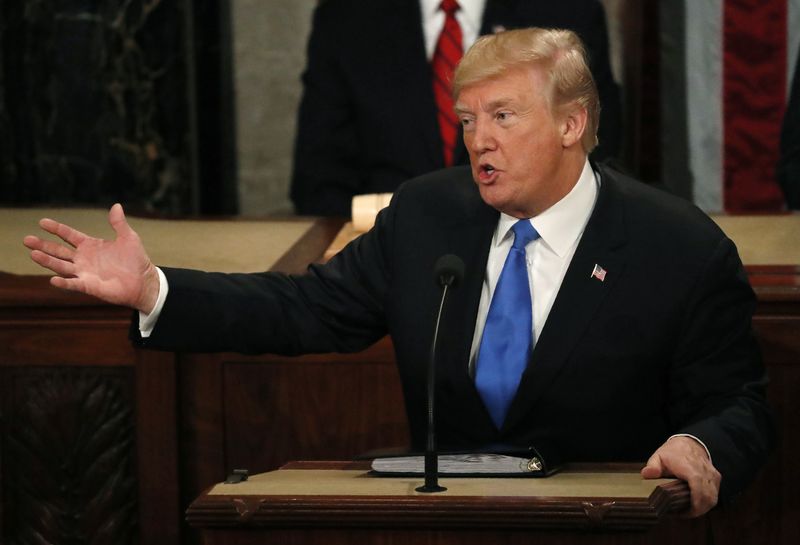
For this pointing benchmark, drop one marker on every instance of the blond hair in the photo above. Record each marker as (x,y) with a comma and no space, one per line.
(559,52)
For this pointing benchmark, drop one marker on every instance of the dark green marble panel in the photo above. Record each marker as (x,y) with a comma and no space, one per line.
(96,103)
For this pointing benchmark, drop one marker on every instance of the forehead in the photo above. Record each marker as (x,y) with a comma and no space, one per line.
(520,84)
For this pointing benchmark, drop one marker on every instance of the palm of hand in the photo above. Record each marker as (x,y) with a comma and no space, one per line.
(111,270)
(117,271)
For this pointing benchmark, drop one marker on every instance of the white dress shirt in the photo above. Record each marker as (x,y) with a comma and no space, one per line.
(560,228)
(469,17)
(147,322)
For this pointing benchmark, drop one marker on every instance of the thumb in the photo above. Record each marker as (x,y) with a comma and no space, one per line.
(116,217)
(653,469)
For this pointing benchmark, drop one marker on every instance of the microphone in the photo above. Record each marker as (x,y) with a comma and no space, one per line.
(447,272)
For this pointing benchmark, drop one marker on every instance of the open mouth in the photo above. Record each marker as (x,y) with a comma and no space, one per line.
(487,171)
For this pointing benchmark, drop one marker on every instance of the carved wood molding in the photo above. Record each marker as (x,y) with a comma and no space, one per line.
(69,465)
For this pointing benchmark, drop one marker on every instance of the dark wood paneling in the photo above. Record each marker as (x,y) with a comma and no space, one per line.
(261,412)
(157,447)
(201,428)
(89,438)
(321,408)
(767,511)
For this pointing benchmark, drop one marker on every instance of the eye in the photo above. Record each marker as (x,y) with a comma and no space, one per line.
(467,122)
(503,115)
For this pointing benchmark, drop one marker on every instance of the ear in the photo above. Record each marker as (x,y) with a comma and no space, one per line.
(573,126)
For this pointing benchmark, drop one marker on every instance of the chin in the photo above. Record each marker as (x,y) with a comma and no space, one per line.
(494,198)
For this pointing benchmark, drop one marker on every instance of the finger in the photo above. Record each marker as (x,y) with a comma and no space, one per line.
(32,242)
(58,266)
(50,248)
(704,492)
(72,284)
(116,217)
(62,231)
(701,503)
(653,469)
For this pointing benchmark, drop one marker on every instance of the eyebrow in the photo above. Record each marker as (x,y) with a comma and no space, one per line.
(500,102)
(493,105)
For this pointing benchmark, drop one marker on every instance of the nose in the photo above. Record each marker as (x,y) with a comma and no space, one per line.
(481,138)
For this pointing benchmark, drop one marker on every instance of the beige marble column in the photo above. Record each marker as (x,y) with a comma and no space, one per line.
(269,51)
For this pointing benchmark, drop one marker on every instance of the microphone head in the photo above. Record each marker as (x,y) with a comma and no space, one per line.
(448,270)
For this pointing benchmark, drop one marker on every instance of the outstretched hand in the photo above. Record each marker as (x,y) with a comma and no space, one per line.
(686,459)
(117,271)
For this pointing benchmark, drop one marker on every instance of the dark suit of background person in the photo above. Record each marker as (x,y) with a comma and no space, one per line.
(788,171)
(367,119)
(663,345)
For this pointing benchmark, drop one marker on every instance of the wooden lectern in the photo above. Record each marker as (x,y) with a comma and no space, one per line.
(341,502)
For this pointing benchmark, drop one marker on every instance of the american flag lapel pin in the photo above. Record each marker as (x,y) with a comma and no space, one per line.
(599,273)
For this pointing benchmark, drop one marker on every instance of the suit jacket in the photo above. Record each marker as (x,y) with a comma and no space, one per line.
(663,345)
(367,119)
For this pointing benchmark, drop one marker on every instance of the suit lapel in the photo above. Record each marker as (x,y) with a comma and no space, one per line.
(578,298)
(470,241)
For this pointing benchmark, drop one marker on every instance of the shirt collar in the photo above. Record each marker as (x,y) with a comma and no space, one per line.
(561,225)
(472,10)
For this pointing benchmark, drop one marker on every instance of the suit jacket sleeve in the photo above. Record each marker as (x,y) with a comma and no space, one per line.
(336,307)
(717,383)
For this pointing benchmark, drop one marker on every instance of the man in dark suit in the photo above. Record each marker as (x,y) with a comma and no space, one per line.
(636,339)
(367,120)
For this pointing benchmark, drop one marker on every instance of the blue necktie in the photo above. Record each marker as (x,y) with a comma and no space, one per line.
(507,339)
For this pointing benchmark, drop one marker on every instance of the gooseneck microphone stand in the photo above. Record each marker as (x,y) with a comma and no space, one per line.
(448,271)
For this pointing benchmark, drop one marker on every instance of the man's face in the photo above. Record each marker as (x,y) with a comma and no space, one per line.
(517,148)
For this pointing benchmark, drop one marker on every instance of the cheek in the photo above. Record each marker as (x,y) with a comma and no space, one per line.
(536,153)
(525,155)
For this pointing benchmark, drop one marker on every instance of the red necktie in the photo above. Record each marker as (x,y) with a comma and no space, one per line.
(445,58)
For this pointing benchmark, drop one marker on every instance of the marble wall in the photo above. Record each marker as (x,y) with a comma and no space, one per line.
(94,103)
(269,51)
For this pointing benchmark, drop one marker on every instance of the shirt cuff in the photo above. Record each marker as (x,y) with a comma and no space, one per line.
(696,439)
(147,322)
